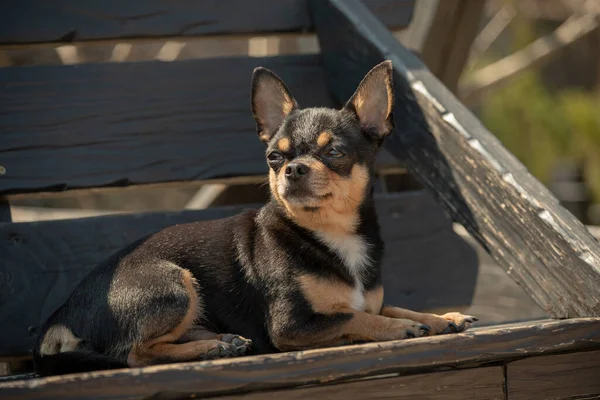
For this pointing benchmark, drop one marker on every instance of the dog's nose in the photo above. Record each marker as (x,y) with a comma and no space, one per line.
(295,171)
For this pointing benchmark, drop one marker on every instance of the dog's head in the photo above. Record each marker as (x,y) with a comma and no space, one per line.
(321,159)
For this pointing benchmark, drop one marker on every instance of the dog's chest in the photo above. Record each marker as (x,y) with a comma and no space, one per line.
(353,251)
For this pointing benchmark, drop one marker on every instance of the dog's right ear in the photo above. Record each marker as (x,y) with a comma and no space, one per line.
(271,102)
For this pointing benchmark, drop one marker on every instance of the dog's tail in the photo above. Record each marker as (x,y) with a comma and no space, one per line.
(75,361)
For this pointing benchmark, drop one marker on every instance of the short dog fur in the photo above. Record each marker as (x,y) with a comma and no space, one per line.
(302,272)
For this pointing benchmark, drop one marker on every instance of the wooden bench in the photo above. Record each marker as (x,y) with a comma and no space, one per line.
(105,126)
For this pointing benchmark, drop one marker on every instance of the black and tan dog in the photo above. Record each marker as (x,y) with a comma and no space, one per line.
(302,272)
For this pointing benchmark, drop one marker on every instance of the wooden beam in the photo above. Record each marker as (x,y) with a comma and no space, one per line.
(475,383)
(39,21)
(477,347)
(564,376)
(535,55)
(484,187)
(104,125)
(448,43)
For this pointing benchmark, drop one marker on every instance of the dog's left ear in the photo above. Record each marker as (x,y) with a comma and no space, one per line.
(271,102)
(373,101)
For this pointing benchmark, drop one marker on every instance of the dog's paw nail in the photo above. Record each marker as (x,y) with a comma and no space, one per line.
(424,329)
(451,328)
(410,334)
(475,319)
(238,342)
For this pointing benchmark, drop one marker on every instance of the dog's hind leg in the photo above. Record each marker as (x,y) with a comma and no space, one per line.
(182,342)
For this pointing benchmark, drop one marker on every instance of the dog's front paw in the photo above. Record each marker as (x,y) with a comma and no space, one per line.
(239,344)
(458,322)
(452,322)
(406,329)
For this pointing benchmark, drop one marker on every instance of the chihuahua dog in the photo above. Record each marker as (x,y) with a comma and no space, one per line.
(302,272)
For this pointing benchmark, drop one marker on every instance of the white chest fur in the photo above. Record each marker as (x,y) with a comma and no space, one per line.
(353,250)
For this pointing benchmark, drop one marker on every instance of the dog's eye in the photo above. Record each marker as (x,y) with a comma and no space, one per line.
(333,153)
(275,156)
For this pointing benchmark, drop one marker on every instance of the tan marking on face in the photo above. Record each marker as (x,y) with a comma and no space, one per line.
(323,139)
(58,339)
(264,137)
(274,180)
(337,213)
(374,300)
(283,145)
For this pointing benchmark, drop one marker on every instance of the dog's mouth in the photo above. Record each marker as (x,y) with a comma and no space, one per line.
(302,196)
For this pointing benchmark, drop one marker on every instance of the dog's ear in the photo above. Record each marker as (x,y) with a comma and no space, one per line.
(271,102)
(373,101)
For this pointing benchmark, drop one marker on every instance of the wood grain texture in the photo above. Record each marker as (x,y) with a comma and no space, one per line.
(498,298)
(42,262)
(480,383)
(66,127)
(515,218)
(565,376)
(477,347)
(67,20)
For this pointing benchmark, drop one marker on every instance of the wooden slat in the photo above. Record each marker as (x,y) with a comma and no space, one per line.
(485,188)
(470,349)
(5,214)
(42,262)
(565,376)
(66,20)
(66,127)
(115,124)
(477,383)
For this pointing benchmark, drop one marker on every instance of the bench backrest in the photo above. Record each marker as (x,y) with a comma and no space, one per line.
(115,124)
(107,124)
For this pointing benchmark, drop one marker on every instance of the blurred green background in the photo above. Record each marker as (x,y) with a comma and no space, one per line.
(548,117)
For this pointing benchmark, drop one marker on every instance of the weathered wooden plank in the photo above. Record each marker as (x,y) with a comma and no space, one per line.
(92,125)
(67,20)
(5,214)
(42,262)
(112,124)
(484,187)
(497,299)
(473,348)
(477,383)
(565,376)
